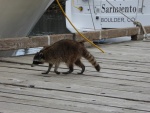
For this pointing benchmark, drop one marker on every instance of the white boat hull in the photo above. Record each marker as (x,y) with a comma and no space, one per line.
(99,14)
(17,17)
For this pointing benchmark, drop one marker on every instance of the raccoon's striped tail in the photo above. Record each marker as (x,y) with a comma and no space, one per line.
(87,55)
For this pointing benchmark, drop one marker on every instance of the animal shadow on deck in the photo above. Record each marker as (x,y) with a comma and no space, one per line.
(52,74)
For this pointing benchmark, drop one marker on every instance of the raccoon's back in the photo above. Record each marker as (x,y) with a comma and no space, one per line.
(66,47)
(64,50)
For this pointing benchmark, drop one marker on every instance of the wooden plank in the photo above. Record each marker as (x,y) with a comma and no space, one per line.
(121,86)
(59,104)
(125,105)
(100,81)
(124,73)
(118,69)
(124,66)
(16,106)
(77,88)
(50,85)
(105,72)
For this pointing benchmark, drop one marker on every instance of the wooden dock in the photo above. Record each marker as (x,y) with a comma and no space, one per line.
(122,86)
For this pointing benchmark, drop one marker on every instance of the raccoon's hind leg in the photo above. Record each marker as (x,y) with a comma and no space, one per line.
(70,69)
(56,67)
(81,65)
(49,68)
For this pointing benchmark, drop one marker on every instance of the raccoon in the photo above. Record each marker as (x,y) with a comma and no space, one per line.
(67,51)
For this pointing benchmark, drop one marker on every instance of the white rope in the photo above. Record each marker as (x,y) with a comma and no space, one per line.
(91,15)
(100,34)
(48,40)
(120,11)
(134,22)
(146,38)
(145,33)
(143,28)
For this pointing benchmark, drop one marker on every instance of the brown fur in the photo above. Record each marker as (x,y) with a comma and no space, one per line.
(67,51)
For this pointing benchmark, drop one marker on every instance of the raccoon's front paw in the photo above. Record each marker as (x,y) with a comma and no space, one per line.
(80,73)
(68,72)
(57,72)
(45,72)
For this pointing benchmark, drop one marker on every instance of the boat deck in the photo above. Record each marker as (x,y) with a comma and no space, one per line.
(122,86)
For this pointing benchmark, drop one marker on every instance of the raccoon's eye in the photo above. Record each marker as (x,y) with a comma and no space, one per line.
(41,55)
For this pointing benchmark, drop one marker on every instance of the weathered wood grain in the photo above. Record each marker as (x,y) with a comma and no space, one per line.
(122,86)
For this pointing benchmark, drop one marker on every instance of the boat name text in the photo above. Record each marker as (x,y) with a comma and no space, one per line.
(129,9)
